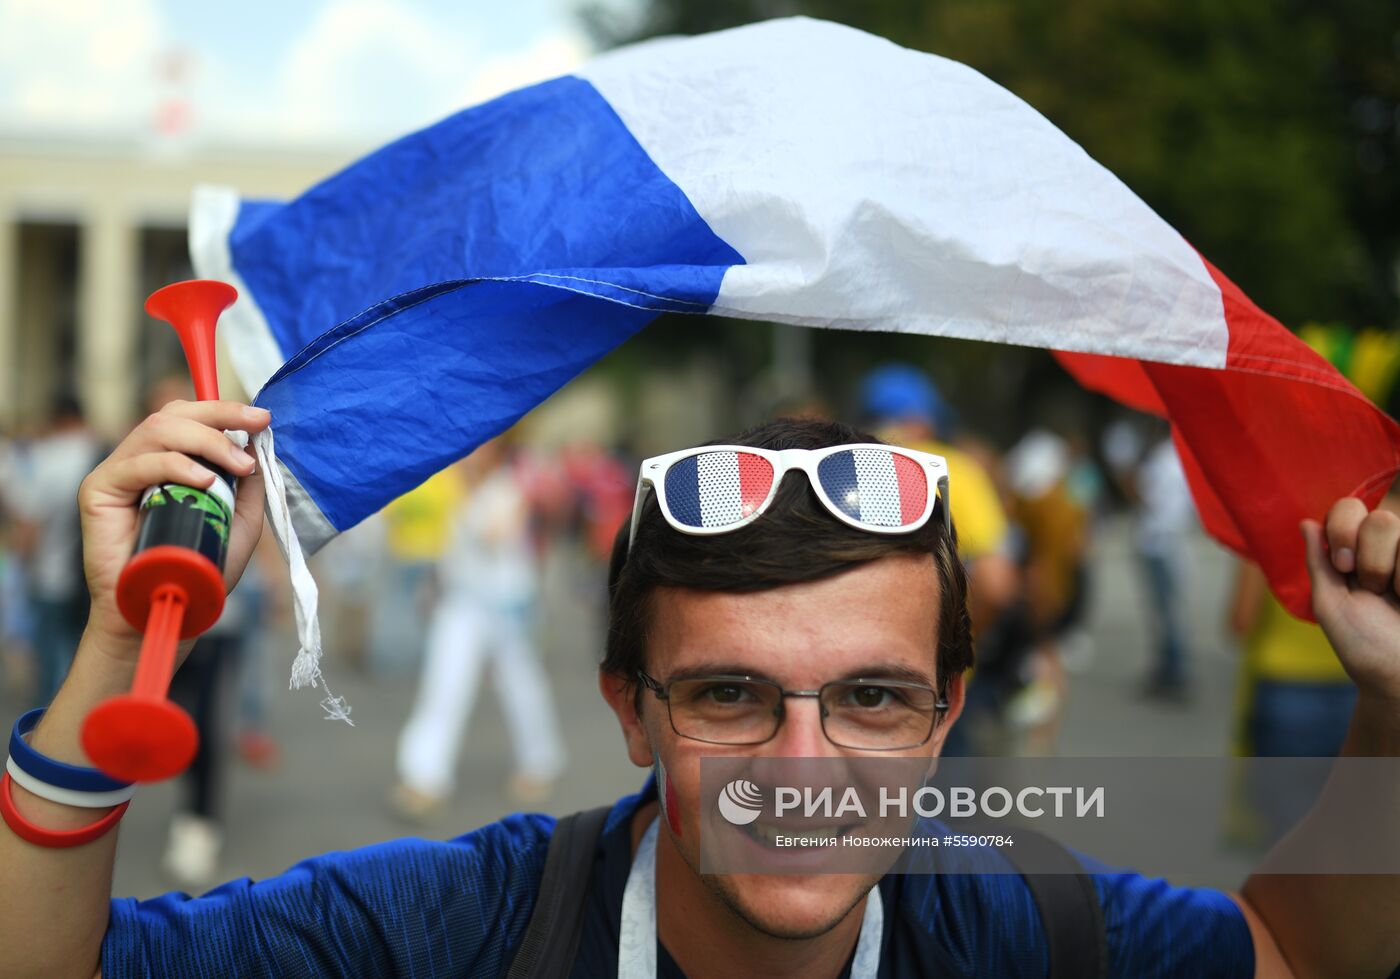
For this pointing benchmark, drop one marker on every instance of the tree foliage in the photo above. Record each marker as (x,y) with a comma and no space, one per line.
(1266,131)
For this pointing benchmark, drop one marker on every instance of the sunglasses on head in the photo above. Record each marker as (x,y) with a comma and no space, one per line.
(714,489)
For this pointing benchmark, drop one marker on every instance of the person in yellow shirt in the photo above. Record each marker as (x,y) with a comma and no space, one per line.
(1293,700)
(417,524)
(417,528)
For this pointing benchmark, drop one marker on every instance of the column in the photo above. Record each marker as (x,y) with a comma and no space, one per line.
(39,300)
(107,319)
(9,317)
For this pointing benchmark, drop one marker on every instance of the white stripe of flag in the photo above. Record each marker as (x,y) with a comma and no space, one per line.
(879,488)
(720,502)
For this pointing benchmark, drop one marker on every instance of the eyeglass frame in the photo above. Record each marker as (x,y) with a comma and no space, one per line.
(663,693)
(651,476)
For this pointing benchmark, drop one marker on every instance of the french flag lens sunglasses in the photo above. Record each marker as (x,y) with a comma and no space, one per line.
(718,488)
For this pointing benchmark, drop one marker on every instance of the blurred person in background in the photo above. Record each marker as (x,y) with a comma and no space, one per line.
(16,621)
(1294,699)
(205,686)
(269,613)
(347,572)
(579,494)
(1085,481)
(1051,531)
(602,485)
(903,406)
(417,527)
(485,614)
(42,492)
(1163,515)
(1088,487)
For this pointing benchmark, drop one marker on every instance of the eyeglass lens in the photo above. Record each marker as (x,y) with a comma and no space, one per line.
(874,715)
(716,489)
(875,486)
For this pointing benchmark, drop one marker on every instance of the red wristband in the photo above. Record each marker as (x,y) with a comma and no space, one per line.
(39,836)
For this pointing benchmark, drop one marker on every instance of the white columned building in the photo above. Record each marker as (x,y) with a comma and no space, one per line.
(87,229)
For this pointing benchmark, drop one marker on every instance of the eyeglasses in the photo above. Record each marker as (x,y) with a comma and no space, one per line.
(883,489)
(867,715)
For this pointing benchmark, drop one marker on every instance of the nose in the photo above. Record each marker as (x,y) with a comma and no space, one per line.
(800,735)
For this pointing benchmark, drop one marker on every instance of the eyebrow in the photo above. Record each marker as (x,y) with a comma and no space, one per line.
(715,668)
(868,671)
(890,671)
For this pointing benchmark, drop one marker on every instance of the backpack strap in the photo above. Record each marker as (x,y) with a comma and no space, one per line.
(551,938)
(1068,903)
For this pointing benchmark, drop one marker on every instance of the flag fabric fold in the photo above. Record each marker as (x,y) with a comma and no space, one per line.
(412,306)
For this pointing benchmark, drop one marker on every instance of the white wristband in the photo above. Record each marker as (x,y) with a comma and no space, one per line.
(67,797)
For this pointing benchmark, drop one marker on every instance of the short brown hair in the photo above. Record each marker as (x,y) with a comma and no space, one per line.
(795,540)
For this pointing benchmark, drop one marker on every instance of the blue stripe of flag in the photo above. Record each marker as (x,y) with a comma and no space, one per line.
(838,476)
(379,404)
(683,492)
(544,179)
(401,359)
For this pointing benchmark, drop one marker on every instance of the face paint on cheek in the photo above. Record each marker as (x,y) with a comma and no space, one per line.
(667,794)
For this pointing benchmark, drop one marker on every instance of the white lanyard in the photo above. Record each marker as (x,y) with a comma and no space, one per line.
(636,947)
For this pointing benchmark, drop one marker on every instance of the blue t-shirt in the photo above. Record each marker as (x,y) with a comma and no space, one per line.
(415,908)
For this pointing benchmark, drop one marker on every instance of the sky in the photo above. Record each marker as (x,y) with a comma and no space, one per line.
(270,72)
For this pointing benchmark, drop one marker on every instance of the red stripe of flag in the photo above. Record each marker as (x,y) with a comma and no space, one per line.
(913,488)
(755,479)
(1277,435)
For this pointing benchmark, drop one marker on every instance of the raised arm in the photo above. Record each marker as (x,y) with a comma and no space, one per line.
(54,902)
(1344,925)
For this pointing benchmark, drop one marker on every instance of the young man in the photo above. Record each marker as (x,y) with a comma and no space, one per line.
(811,596)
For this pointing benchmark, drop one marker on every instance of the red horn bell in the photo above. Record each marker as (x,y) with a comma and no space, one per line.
(193,309)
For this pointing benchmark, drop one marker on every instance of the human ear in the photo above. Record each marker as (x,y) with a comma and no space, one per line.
(621,696)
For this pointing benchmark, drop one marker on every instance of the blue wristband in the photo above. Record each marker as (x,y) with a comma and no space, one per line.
(56,773)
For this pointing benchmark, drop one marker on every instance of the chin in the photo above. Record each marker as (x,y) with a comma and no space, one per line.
(792,906)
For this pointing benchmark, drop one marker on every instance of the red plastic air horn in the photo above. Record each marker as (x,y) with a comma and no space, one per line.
(173,586)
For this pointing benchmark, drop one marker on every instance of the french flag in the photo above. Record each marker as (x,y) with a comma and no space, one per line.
(419,302)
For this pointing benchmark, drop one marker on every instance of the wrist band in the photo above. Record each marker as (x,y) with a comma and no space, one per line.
(67,797)
(55,773)
(40,836)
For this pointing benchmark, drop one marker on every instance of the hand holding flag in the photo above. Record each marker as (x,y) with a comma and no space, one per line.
(1354,563)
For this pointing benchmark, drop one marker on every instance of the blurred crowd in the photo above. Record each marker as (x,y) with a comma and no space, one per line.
(444,583)
(443,590)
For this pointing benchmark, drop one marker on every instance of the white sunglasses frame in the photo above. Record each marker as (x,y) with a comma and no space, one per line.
(651,478)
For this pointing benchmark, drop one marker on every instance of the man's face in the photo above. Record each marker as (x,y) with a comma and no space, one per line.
(878,620)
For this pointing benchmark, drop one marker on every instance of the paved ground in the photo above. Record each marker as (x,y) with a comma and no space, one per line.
(330,791)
